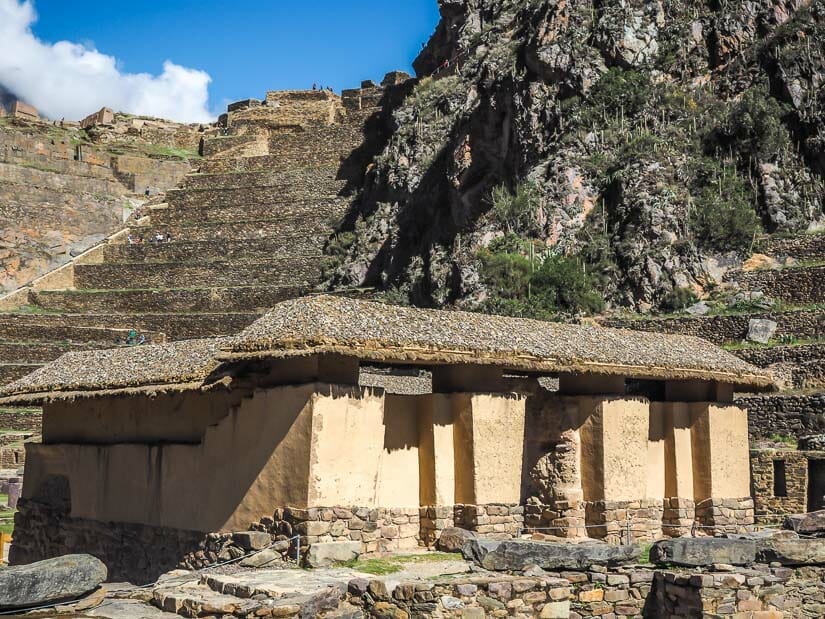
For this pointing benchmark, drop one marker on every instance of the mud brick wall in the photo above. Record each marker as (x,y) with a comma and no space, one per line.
(723,329)
(796,285)
(767,505)
(787,415)
(21,419)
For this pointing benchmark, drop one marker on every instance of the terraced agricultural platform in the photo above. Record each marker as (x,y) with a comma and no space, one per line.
(243,232)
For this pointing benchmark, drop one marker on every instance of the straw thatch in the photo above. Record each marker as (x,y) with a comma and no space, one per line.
(391,334)
(136,369)
(374,332)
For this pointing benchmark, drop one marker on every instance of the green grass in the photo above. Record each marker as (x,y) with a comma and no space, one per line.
(644,557)
(30,309)
(789,342)
(170,151)
(783,439)
(392,565)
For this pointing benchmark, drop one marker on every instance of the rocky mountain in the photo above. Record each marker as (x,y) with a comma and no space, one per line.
(560,156)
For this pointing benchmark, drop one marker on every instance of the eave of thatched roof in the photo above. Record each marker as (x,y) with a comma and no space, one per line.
(153,369)
(391,334)
(385,334)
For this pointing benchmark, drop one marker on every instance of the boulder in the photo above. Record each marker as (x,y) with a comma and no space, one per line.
(52,580)
(518,554)
(252,540)
(453,538)
(792,551)
(698,309)
(262,558)
(703,551)
(761,330)
(812,523)
(324,554)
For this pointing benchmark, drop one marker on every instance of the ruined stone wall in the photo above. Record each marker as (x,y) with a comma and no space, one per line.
(785,415)
(767,504)
(723,329)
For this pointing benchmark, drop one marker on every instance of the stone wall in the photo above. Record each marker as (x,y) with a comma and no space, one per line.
(786,415)
(797,246)
(768,505)
(134,553)
(378,529)
(21,419)
(724,329)
(795,285)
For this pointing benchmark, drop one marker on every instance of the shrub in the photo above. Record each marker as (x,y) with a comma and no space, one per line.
(556,285)
(618,89)
(723,217)
(517,212)
(678,299)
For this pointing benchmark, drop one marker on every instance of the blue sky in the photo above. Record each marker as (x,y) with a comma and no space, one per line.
(246,46)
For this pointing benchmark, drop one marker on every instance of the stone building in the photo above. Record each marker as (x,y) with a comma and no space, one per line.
(147,449)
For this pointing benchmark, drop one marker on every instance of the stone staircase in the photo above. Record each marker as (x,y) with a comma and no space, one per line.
(245,231)
(793,281)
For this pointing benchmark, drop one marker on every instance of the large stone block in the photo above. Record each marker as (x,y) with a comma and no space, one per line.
(699,552)
(62,578)
(812,523)
(452,539)
(792,551)
(516,555)
(325,554)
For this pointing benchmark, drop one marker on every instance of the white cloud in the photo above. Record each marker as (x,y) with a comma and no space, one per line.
(69,80)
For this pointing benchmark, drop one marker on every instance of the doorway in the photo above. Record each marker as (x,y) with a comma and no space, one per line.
(816,485)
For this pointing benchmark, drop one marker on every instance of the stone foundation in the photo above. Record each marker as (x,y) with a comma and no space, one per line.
(714,516)
(131,552)
(378,529)
(678,517)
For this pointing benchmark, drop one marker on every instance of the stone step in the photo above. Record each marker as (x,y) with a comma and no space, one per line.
(274,194)
(293,271)
(10,371)
(267,176)
(800,246)
(154,325)
(19,327)
(196,600)
(243,250)
(230,299)
(802,285)
(332,209)
(242,229)
(803,324)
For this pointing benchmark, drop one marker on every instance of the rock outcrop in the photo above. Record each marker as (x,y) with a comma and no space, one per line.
(646,142)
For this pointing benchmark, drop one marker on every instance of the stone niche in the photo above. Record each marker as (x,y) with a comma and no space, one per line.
(787,482)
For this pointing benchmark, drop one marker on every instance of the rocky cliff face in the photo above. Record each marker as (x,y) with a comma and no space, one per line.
(623,149)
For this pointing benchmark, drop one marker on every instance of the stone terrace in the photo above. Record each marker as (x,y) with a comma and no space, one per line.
(247,231)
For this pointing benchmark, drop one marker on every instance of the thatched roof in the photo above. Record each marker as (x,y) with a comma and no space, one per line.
(391,334)
(135,369)
(387,334)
